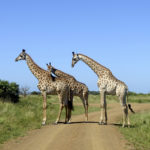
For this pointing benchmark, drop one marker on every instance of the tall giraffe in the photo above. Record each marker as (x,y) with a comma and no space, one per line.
(108,84)
(48,85)
(77,88)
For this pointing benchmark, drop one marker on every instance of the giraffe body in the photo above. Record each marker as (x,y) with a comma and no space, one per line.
(48,84)
(108,85)
(77,88)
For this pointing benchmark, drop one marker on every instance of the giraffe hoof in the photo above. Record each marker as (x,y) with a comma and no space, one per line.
(102,123)
(56,123)
(43,123)
(86,120)
(123,126)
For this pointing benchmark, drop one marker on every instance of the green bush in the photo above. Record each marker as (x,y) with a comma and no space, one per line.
(94,92)
(9,91)
(35,93)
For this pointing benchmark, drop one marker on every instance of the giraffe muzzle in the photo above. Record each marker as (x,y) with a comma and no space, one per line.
(16,60)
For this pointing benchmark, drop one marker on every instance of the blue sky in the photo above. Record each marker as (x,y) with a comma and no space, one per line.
(114,33)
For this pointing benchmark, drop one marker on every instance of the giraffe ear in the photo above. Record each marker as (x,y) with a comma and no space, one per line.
(73,53)
(23,50)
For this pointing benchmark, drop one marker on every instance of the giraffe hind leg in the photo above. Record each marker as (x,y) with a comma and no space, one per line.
(125,110)
(85,95)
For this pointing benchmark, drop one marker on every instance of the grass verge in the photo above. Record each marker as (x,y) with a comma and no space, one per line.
(139,133)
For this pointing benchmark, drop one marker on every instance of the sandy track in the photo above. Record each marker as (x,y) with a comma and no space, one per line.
(78,135)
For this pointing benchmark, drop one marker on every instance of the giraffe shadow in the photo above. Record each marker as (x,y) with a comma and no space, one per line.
(77,122)
(120,125)
(84,122)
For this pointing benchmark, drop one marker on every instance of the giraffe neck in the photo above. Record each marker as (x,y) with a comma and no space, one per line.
(95,66)
(34,68)
(60,73)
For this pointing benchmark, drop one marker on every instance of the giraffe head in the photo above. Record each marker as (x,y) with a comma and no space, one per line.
(49,67)
(75,59)
(22,56)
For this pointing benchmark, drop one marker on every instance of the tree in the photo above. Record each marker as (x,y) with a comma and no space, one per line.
(9,91)
(24,90)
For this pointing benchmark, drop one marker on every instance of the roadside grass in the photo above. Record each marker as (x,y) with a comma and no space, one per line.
(17,119)
(139,134)
(139,98)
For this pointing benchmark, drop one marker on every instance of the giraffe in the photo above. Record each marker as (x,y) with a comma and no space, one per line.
(108,85)
(48,84)
(77,88)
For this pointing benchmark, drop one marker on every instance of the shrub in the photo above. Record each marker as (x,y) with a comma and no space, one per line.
(35,93)
(94,92)
(9,91)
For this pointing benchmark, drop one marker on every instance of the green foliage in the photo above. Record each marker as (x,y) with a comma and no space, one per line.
(139,133)
(139,98)
(9,91)
(35,93)
(94,92)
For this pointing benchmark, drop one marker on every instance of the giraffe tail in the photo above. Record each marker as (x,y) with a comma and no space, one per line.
(70,105)
(129,106)
(70,100)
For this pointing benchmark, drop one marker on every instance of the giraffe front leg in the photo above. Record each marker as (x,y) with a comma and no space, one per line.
(44,107)
(59,113)
(103,108)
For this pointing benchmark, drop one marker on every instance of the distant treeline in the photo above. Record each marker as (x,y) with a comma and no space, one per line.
(129,93)
(94,92)
(9,91)
(97,93)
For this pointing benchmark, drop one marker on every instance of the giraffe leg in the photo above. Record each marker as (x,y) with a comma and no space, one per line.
(125,115)
(125,110)
(69,109)
(103,108)
(85,95)
(85,107)
(69,115)
(61,106)
(86,112)
(128,117)
(44,107)
(66,117)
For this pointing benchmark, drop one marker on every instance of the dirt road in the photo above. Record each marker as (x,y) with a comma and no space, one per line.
(78,135)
